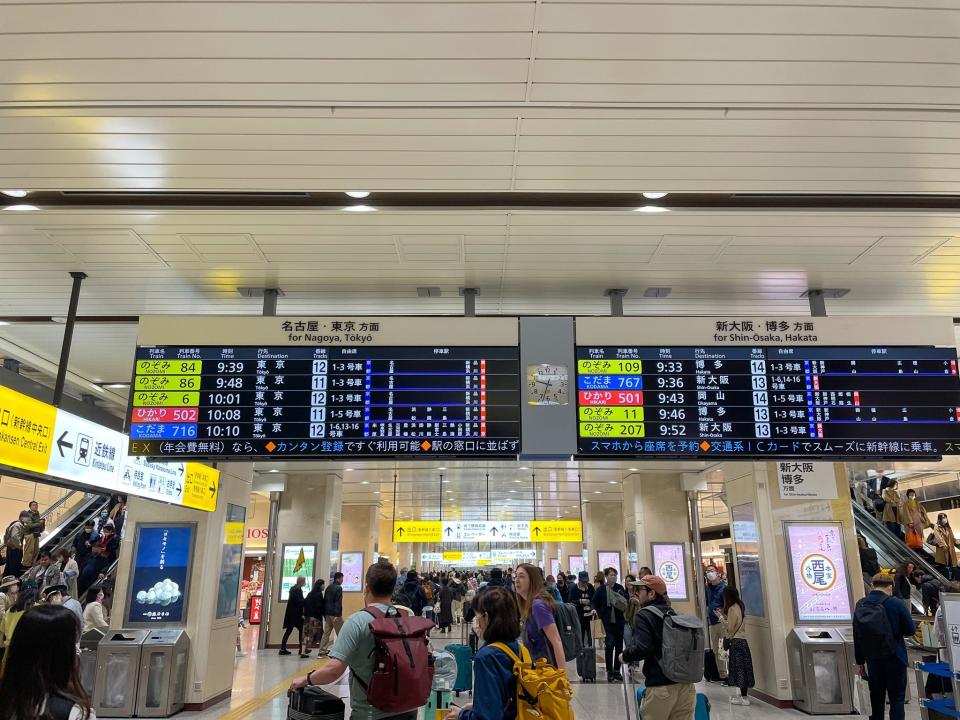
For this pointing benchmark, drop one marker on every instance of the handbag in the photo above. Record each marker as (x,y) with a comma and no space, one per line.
(861,696)
(914,541)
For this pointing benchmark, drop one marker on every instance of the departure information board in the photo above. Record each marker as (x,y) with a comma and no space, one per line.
(336,400)
(803,400)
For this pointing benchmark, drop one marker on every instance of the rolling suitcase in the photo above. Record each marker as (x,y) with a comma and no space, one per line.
(464,656)
(587,665)
(313,703)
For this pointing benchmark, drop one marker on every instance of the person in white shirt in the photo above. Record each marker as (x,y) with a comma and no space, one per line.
(95,614)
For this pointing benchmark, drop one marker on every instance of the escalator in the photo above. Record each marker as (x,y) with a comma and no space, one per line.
(65,518)
(891,551)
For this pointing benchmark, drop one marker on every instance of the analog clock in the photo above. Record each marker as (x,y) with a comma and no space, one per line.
(547,384)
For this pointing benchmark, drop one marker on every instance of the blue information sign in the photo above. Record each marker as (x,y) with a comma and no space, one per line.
(160,576)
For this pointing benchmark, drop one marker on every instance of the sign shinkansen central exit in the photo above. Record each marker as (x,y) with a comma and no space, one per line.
(798,387)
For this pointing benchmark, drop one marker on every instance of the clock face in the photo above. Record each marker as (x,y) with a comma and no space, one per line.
(547,385)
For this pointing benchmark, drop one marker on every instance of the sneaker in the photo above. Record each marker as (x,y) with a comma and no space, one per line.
(304,655)
(285,652)
(739,700)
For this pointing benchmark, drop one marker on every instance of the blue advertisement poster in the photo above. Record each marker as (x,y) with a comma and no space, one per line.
(160,574)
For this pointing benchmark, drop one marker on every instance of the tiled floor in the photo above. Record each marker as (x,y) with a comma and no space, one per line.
(258,673)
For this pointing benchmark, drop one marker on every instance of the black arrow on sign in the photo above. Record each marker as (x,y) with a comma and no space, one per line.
(181,470)
(493,531)
(400,532)
(179,489)
(536,531)
(449,530)
(213,490)
(62,443)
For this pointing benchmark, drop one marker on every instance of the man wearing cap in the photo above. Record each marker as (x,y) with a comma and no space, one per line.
(886,673)
(60,595)
(663,699)
(581,595)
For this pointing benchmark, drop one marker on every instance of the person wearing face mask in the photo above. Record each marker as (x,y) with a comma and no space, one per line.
(714,590)
(95,614)
(891,509)
(945,543)
(102,519)
(915,520)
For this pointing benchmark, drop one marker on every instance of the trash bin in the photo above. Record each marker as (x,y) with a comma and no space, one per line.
(118,668)
(89,643)
(846,632)
(819,671)
(163,673)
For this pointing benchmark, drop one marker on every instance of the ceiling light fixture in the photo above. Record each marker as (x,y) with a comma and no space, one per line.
(524,468)
(348,469)
(654,195)
(4,322)
(597,492)
(364,482)
(14,193)
(114,386)
(634,469)
(611,482)
(358,194)
(652,209)
(359,208)
(21,208)
(273,471)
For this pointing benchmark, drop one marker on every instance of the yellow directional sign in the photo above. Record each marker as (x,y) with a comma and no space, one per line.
(556,531)
(417,531)
(233,533)
(201,484)
(26,431)
(452,556)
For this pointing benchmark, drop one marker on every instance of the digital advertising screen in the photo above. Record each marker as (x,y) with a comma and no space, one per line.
(160,574)
(231,560)
(577,564)
(669,562)
(296,560)
(607,559)
(353,571)
(746,543)
(821,590)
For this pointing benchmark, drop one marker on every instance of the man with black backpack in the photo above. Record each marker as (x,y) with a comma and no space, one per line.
(671,647)
(879,627)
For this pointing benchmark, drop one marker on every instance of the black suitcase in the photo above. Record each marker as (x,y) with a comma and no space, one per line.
(710,671)
(587,665)
(313,703)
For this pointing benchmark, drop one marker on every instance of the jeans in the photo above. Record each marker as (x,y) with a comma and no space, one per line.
(887,678)
(286,636)
(894,528)
(612,648)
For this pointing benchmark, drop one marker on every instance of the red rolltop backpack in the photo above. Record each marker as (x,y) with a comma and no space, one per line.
(403,663)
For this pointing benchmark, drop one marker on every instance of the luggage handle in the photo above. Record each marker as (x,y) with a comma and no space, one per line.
(630,696)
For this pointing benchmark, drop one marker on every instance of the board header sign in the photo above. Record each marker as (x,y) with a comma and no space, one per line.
(38,437)
(457,531)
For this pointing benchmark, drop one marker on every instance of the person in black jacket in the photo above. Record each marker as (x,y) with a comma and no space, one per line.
(868,559)
(293,617)
(581,595)
(332,613)
(313,619)
(663,698)
(412,595)
(901,582)
(610,601)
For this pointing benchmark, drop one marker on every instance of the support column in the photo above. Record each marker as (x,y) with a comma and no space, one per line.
(755,483)
(309,514)
(212,640)
(358,533)
(603,530)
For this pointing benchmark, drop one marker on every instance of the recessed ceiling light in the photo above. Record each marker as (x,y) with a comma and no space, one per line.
(358,194)
(359,208)
(445,482)
(59,319)
(652,209)
(21,208)
(441,468)
(14,193)
(611,482)
(513,491)
(654,195)
(524,468)
(596,492)
(4,322)
(364,482)
(114,386)
(348,469)
(273,471)
(376,492)
(634,469)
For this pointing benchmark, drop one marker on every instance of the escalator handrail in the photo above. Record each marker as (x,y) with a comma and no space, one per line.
(866,517)
(58,503)
(84,506)
(90,509)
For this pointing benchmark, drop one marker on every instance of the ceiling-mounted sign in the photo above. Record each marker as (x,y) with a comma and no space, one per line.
(556,531)
(799,479)
(417,531)
(40,438)
(488,531)
(824,387)
(326,387)
(431,557)
(452,556)
(513,554)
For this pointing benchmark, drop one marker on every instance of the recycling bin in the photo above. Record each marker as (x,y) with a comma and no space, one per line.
(89,643)
(819,671)
(846,632)
(118,670)
(163,673)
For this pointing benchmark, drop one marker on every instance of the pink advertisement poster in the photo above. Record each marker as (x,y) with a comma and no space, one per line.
(576,564)
(610,559)
(353,571)
(820,590)
(669,563)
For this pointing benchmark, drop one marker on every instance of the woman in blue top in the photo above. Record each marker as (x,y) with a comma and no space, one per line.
(538,615)
(494,685)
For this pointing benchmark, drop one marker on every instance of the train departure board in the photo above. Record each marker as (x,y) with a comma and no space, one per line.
(741,399)
(352,394)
